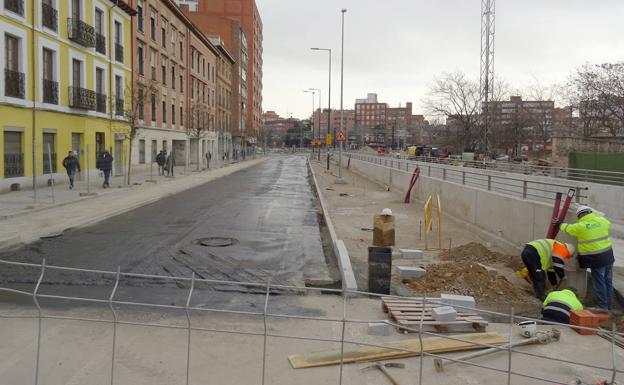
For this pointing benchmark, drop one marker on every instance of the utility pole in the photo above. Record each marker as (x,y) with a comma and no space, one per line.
(486,80)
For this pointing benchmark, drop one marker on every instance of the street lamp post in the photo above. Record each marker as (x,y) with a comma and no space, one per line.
(319,119)
(343,11)
(329,51)
(313,92)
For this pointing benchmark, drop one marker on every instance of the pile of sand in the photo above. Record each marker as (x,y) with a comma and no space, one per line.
(469,278)
(476,252)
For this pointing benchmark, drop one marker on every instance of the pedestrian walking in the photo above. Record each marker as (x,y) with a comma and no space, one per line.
(104,163)
(208,157)
(161,159)
(594,250)
(72,166)
(170,164)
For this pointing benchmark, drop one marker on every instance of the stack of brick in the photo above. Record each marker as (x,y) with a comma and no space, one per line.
(584,318)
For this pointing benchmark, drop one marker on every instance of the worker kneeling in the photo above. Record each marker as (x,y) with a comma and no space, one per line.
(559,304)
(545,257)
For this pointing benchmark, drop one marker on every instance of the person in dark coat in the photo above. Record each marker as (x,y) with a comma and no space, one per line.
(170,164)
(72,166)
(161,159)
(105,164)
(208,157)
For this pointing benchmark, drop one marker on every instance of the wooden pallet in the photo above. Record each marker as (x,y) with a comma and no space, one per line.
(408,313)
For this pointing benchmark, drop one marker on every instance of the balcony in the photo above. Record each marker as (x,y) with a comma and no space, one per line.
(119,107)
(49,17)
(50,91)
(100,43)
(119,52)
(80,32)
(100,103)
(14,84)
(81,98)
(15,6)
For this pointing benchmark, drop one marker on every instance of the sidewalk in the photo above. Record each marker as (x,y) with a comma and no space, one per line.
(23,222)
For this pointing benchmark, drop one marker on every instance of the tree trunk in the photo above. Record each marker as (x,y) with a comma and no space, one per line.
(129,160)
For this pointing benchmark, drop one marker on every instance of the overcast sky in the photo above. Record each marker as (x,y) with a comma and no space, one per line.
(396,47)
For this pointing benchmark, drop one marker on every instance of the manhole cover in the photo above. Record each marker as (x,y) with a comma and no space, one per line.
(217,241)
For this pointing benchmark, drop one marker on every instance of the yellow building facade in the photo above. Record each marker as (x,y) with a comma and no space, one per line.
(67,85)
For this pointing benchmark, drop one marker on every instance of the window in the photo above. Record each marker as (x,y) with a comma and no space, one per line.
(140,105)
(173,114)
(153,107)
(76,11)
(141,151)
(48,64)
(119,55)
(174,36)
(154,59)
(164,72)
(100,145)
(153,25)
(140,15)
(181,84)
(181,116)
(49,153)
(154,150)
(76,73)
(13,155)
(164,112)
(181,46)
(163,31)
(173,78)
(100,97)
(11,53)
(98,21)
(140,60)
(118,87)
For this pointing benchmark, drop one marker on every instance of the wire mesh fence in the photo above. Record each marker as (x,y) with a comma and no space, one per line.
(343,304)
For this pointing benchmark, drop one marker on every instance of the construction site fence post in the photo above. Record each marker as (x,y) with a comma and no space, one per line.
(264,341)
(342,334)
(114,313)
(36,301)
(188,325)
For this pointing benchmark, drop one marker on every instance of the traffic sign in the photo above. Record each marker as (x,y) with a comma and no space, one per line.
(328,139)
(341,137)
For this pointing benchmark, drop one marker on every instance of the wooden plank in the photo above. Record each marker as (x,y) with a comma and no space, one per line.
(369,353)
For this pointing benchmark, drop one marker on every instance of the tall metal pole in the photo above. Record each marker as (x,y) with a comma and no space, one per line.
(341,98)
(487,67)
(319,118)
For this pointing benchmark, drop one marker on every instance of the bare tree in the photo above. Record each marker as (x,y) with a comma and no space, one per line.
(197,126)
(456,98)
(264,135)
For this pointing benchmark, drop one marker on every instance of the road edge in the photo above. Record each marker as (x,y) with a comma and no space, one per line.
(340,250)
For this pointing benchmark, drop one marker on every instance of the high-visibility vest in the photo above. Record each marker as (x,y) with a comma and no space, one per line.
(549,248)
(562,301)
(592,232)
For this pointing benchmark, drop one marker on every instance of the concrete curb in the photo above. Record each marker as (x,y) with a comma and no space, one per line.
(340,250)
(18,240)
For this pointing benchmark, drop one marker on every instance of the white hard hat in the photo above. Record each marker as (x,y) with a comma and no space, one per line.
(583,210)
(571,248)
(386,211)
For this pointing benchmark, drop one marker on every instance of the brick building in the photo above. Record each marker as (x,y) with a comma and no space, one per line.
(214,17)
(225,69)
(175,85)
(526,113)
(320,119)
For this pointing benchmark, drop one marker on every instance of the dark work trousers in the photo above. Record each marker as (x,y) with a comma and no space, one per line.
(106,177)
(533,263)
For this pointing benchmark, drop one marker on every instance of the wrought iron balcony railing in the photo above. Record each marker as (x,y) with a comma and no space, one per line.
(80,32)
(49,17)
(119,107)
(119,52)
(14,84)
(81,98)
(50,91)
(15,6)
(100,43)
(13,165)
(100,101)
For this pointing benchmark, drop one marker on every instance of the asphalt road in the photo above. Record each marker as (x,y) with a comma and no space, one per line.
(268,211)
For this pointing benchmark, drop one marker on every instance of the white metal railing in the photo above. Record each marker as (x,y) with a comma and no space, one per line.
(267,288)
(525,168)
(519,187)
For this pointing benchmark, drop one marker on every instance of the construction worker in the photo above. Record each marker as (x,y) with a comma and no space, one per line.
(558,305)
(595,251)
(542,257)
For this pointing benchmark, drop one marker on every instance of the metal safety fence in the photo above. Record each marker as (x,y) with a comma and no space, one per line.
(267,290)
(573,174)
(517,187)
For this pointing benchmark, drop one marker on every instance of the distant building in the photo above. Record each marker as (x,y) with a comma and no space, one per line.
(348,116)
(270,116)
(526,113)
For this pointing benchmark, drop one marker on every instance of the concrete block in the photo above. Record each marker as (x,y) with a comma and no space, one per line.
(410,272)
(411,253)
(465,301)
(378,329)
(444,314)
(489,269)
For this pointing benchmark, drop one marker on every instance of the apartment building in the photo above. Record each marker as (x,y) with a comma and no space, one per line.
(320,121)
(225,68)
(66,85)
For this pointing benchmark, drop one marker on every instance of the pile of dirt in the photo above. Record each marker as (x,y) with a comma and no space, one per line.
(469,278)
(476,252)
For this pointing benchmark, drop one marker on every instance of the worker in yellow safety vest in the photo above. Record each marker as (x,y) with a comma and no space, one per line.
(544,257)
(559,304)
(594,250)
